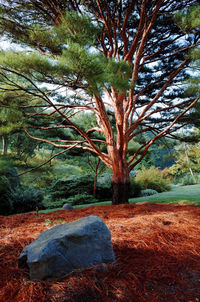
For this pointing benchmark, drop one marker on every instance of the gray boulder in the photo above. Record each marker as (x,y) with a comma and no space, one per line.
(67,206)
(67,247)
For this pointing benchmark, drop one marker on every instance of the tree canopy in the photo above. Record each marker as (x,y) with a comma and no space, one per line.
(125,57)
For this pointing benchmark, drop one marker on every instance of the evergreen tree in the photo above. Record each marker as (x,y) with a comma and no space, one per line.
(187,161)
(125,57)
(10,114)
(189,21)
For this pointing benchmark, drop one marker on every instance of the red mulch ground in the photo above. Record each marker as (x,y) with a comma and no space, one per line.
(157,249)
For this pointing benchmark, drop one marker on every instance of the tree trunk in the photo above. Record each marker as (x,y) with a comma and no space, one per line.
(120,190)
(5,144)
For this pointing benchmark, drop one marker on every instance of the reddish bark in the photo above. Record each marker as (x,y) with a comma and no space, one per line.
(120,182)
(120,191)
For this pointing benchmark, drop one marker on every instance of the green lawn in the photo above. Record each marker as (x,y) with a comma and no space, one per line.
(186,194)
(189,194)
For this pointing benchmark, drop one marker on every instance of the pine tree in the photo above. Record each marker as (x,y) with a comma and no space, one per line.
(189,21)
(10,114)
(125,57)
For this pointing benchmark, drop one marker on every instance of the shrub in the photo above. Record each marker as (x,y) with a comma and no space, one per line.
(26,199)
(135,188)
(81,199)
(152,178)
(14,180)
(5,196)
(104,190)
(147,192)
(133,173)
(77,185)
(67,187)
(105,178)
(189,180)
(74,190)
(50,203)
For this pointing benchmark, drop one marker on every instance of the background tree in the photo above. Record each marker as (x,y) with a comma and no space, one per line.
(10,115)
(125,57)
(188,20)
(187,163)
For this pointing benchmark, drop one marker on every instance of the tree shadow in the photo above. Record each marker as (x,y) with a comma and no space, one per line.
(140,275)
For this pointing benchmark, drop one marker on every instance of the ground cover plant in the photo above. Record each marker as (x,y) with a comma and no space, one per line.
(157,251)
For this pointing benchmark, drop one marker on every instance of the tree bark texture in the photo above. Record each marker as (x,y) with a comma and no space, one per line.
(120,186)
(120,192)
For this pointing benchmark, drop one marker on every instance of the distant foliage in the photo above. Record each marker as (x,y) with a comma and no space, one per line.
(66,170)
(81,199)
(79,190)
(147,192)
(50,203)
(75,185)
(15,198)
(105,178)
(5,196)
(22,146)
(104,190)
(133,173)
(67,187)
(161,156)
(77,199)
(152,178)
(14,180)
(187,167)
(6,162)
(26,199)
(135,188)
(8,183)
(189,179)
(74,190)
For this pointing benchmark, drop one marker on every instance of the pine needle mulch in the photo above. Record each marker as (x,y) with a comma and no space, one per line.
(157,249)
